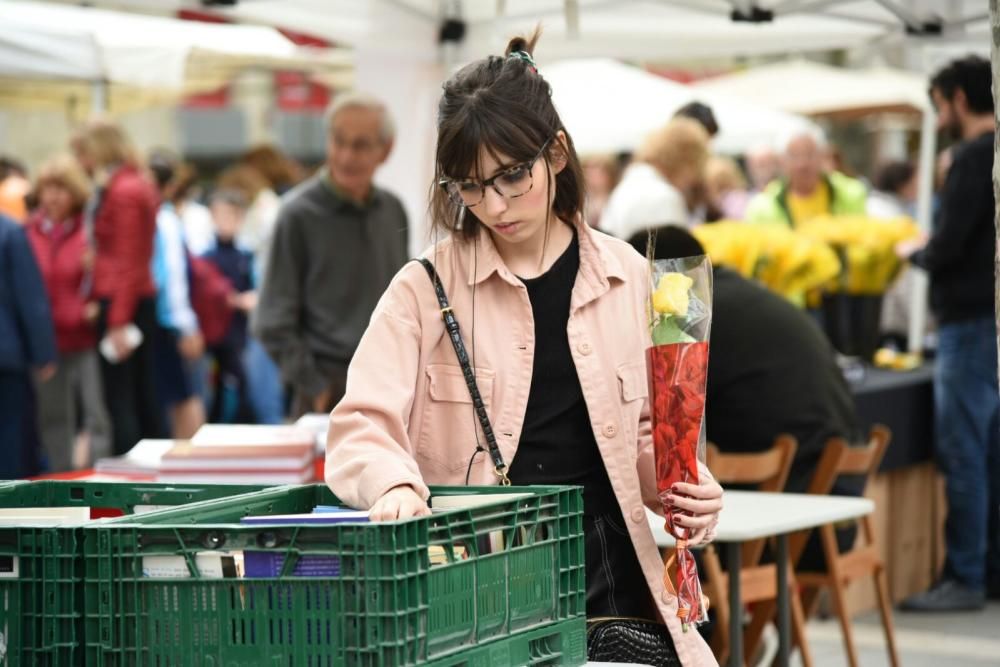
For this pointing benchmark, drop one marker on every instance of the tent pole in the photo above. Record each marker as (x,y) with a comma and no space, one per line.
(98,97)
(925,187)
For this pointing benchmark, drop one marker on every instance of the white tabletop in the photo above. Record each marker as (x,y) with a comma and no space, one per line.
(751,515)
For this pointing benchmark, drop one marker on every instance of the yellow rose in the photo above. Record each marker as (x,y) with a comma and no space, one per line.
(671,295)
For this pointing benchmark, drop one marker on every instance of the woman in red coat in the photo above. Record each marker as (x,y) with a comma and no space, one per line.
(122,220)
(56,234)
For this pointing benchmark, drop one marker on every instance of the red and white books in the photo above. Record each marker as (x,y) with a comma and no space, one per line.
(228,435)
(245,464)
(143,460)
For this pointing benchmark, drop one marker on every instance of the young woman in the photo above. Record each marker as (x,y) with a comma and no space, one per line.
(120,221)
(553,317)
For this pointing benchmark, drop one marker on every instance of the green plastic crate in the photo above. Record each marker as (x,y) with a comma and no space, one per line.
(386,606)
(41,609)
(563,643)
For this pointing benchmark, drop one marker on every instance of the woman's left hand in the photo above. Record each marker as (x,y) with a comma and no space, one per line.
(701,503)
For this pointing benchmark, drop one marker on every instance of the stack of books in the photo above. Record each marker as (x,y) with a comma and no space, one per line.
(241,454)
(142,462)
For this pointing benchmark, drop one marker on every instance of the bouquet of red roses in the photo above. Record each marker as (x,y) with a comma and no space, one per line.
(680,319)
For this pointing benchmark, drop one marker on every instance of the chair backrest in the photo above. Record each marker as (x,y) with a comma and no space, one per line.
(767,470)
(840,458)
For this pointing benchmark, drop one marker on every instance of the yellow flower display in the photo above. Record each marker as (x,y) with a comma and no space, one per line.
(785,261)
(671,295)
(866,248)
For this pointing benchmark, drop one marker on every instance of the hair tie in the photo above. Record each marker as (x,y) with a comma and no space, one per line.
(526,57)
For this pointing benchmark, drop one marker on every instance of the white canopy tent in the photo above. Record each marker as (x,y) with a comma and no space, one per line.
(402,59)
(609,107)
(50,53)
(810,88)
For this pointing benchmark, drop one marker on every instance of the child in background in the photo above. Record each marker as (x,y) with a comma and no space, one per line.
(230,403)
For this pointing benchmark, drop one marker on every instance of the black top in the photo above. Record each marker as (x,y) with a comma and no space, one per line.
(771,370)
(960,254)
(557,444)
(236,265)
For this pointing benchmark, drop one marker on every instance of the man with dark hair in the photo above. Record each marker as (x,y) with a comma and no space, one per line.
(959,256)
(702,113)
(771,370)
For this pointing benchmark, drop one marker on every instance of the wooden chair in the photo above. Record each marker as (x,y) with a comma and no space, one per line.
(767,471)
(863,560)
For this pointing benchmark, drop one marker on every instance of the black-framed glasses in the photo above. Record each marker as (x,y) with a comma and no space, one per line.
(511,183)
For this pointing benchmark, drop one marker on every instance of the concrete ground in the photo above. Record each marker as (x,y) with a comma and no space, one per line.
(923,640)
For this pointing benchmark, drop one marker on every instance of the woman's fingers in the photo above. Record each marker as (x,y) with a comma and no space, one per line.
(696,506)
(399,503)
(708,489)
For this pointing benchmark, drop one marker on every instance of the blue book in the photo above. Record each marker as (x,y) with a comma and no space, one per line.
(258,564)
(352,516)
(332,509)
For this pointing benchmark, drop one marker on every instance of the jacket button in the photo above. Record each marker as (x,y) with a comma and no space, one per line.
(584,348)
(666,597)
(638,514)
(610,430)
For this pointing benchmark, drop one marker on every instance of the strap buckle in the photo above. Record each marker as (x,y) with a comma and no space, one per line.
(445,312)
(501,472)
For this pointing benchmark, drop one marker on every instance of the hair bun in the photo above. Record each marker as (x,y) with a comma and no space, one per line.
(524,43)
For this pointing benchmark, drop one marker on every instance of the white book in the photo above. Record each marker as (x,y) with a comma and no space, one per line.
(43,516)
(222,435)
(317,423)
(467,500)
(305,476)
(143,458)
(210,564)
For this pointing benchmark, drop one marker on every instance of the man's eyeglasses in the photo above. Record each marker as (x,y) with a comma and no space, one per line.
(511,183)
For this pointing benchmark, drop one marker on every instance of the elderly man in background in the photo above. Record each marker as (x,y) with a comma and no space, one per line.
(338,242)
(663,182)
(806,190)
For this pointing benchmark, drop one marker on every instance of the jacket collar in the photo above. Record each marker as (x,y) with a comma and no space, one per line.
(597,264)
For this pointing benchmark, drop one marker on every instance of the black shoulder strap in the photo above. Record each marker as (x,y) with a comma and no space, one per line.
(451,325)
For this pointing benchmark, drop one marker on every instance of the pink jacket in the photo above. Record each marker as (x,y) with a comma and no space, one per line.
(407,417)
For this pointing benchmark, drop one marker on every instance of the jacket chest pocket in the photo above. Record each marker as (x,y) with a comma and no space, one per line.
(633,389)
(450,425)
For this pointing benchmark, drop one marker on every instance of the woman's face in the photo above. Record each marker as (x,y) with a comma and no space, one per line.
(56,202)
(516,219)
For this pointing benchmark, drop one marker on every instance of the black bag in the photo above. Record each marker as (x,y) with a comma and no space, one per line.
(630,640)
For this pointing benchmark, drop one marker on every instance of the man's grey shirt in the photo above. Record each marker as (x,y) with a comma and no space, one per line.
(331,260)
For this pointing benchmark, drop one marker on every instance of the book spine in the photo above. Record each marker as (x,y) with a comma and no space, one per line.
(262,564)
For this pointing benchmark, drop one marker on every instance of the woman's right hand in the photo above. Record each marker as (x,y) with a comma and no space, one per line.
(400,502)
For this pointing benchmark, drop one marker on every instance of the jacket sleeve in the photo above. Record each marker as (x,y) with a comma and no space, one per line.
(279,308)
(962,207)
(32,302)
(368,447)
(135,226)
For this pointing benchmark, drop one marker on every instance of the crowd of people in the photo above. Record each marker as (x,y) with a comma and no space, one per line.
(140,301)
(137,303)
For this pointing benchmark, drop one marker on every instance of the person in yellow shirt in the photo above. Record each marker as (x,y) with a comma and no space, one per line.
(806,190)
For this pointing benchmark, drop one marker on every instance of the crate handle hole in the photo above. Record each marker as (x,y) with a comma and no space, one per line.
(76,493)
(213,540)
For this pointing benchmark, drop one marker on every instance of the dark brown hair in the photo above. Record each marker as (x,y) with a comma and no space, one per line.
(502,105)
